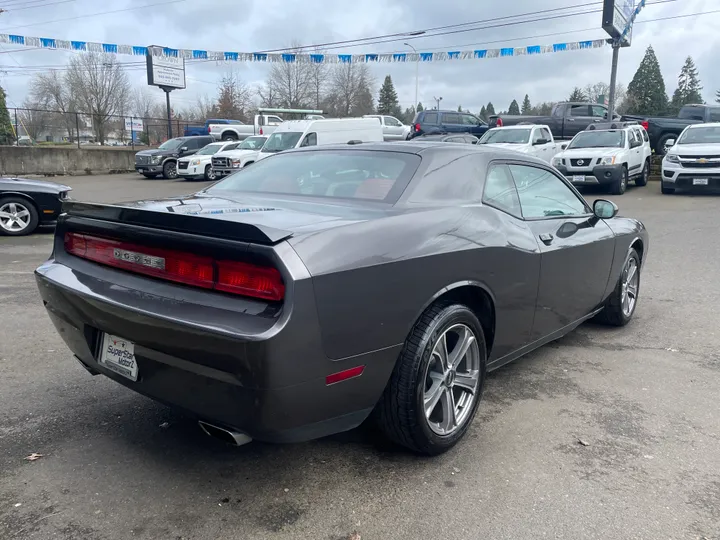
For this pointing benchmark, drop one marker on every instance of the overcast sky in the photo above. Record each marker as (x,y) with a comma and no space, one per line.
(251,25)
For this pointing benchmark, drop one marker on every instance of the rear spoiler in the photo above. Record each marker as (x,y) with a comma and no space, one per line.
(210,226)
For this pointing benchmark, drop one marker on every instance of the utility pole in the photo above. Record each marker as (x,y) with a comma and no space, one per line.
(417,73)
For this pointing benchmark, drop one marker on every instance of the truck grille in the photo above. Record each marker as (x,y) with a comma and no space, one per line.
(221,163)
(142,160)
(700,162)
(183,164)
(580,162)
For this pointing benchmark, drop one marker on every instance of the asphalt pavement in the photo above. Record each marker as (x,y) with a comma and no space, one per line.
(605,434)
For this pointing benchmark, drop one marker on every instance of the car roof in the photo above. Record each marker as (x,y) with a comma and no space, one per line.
(706,124)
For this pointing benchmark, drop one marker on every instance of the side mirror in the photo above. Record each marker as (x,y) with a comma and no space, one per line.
(540,142)
(604,209)
(184,149)
(563,147)
(669,143)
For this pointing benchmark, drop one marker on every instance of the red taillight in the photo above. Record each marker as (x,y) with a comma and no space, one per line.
(226,276)
(417,128)
(261,131)
(499,122)
(645,124)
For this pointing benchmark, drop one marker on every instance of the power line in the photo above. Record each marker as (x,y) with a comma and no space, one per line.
(93,15)
(13,9)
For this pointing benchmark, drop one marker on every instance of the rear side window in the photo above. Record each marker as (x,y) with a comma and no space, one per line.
(715,114)
(310,140)
(340,174)
(457,181)
(500,191)
(430,118)
(692,113)
(451,118)
(645,135)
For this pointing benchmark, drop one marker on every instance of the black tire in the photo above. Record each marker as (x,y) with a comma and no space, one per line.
(150,176)
(613,313)
(642,180)
(170,170)
(666,190)
(229,137)
(209,175)
(400,413)
(619,187)
(19,205)
(660,148)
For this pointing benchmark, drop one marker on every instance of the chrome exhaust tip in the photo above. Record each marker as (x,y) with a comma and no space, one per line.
(231,437)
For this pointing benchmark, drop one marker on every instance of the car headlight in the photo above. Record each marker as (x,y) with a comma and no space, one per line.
(607,160)
(195,162)
(557,161)
(672,158)
(155,159)
(236,163)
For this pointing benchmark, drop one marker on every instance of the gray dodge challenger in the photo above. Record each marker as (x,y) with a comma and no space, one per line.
(327,285)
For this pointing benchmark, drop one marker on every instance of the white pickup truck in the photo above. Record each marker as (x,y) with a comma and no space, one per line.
(263,124)
(532,139)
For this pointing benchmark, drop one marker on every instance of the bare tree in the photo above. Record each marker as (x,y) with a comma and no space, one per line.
(50,91)
(33,119)
(101,86)
(594,91)
(350,89)
(318,81)
(203,109)
(267,95)
(144,102)
(291,82)
(234,98)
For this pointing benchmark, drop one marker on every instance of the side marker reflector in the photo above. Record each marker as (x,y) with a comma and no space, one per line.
(344,375)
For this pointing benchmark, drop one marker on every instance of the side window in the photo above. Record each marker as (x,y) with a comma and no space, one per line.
(430,118)
(542,194)
(457,181)
(546,134)
(274,120)
(309,140)
(537,135)
(635,138)
(579,110)
(646,138)
(232,146)
(191,144)
(715,114)
(598,112)
(469,120)
(451,118)
(500,191)
(392,122)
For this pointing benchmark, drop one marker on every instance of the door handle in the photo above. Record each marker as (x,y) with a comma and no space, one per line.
(547,238)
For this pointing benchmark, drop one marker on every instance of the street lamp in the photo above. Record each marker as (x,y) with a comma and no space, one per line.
(417,71)
(438,100)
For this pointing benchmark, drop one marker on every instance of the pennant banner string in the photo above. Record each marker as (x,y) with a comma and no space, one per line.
(231,56)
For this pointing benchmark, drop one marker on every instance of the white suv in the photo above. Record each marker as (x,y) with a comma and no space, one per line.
(693,162)
(608,154)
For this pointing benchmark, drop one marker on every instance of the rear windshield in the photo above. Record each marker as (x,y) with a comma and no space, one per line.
(701,135)
(339,174)
(598,139)
(278,142)
(509,136)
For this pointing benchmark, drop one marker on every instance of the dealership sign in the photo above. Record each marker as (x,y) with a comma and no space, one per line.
(616,16)
(133,124)
(165,71)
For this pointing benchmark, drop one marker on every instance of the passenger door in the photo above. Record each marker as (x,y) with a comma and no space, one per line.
(393,129)
(576,248)
(577,118)
(452,123)
(472,124)
(539,150)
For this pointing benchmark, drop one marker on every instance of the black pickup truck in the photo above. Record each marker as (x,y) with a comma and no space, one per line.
(663,128)
(566,119)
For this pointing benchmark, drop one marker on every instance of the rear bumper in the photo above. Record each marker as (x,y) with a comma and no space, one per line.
(599,175)
(266,380)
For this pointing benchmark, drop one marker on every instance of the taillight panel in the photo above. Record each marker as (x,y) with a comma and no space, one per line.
(232,277)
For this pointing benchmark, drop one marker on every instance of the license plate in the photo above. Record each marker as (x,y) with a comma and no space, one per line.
(700,181)
(141,170)
(578,178)
(118,355)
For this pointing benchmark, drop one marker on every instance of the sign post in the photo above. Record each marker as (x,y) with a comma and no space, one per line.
(167,73)
(617,20)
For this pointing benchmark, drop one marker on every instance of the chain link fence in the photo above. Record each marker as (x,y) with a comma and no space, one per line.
(57,128)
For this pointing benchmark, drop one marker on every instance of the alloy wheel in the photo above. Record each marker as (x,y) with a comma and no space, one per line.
(630,285)
(451,380)
(171,170)
(14,217)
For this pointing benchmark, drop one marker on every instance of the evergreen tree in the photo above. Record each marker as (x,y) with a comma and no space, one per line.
(577,95)
(489,110)
(483,112)
(419,107)
(388,99)
(526,106)
(646,91)
(7,135)
(514,107)
(409,115)
(689,89)
(717,96)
